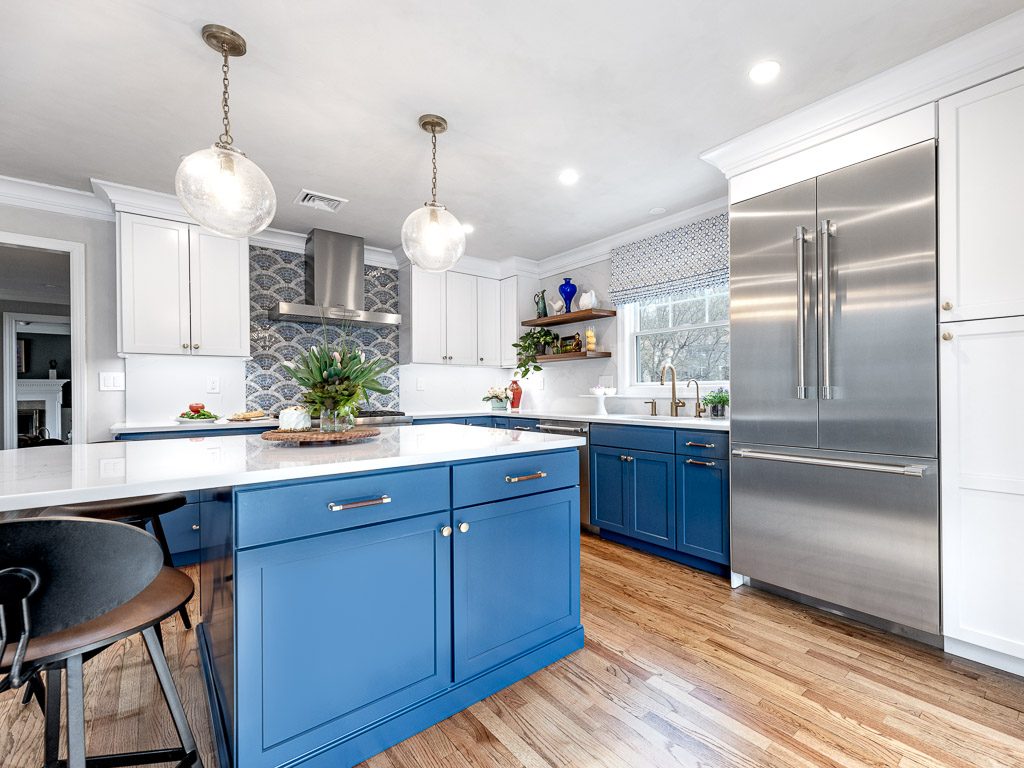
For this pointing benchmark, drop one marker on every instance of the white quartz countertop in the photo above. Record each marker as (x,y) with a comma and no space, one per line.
(679,422)
(62,474)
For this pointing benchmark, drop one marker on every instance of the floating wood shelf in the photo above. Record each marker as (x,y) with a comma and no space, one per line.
(566,356)
(580,316)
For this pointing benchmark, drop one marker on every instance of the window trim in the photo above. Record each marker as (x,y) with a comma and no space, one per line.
(626,328)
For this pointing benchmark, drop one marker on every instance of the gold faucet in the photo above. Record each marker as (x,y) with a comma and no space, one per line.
(675,404)
(697,407)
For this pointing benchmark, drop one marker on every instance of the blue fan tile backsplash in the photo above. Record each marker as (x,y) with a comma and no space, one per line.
(276,276)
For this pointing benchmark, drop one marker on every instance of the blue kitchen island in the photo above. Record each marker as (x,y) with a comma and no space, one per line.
(354,595)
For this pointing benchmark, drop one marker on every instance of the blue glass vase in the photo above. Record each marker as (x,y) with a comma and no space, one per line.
(568,291)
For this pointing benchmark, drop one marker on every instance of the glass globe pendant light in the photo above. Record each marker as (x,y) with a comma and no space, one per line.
(432,237)
(219,186)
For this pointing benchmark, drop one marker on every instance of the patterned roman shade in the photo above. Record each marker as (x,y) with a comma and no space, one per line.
(678,261)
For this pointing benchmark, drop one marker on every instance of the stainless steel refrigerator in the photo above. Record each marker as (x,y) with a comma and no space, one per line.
(834,389)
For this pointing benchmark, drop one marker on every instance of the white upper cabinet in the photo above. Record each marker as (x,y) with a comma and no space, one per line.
(182,290)
(980,367)
(488,321)
(219,280)
(981,186)
(448,318)
(509,333)
(462,319)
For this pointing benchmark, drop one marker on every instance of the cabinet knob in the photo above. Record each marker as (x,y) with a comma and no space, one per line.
(184,346)
(195,346)
(625,458)
(463,527)
(947,336)
(446,531)
(195,527)
(947,305)
(481,359)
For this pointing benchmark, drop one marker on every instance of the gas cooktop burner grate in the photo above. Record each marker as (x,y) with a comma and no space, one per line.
(373,414)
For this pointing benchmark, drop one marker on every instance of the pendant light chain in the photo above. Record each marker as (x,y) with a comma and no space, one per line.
(433,157)
(225,138)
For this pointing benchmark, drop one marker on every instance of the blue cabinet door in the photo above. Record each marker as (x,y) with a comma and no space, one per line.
(702,508)
(338,630)
(608,492)
(480,421)
(181,529)
(516,577)
(651,484)
(500,422)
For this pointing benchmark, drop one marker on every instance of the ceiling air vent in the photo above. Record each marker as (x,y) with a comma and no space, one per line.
(319,202)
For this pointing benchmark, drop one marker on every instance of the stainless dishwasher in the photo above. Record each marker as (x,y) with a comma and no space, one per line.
(581,428)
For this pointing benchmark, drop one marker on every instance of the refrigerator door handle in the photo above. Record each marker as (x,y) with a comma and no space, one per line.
(909,470)
(828,229)
(801,313)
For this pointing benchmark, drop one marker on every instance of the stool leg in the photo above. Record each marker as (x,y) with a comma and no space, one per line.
(52,735)
(76,713)
(158,531)
(163,673)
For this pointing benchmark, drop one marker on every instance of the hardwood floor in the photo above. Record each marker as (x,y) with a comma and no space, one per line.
(678,670)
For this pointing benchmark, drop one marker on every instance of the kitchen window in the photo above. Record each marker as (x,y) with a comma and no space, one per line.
(689,330)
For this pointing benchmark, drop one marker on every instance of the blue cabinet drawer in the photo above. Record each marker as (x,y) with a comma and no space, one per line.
(528,425)
(447,420)
(500,422)
(486,481)
(639,438)
(269,514)
(713,445)
(480,421)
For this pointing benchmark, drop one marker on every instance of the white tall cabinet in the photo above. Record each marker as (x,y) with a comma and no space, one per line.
(183,290)
(981,366)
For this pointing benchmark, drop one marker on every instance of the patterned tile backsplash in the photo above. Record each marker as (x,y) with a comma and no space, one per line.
(276,276)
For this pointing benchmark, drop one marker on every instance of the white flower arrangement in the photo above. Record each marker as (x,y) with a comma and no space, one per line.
(498,393)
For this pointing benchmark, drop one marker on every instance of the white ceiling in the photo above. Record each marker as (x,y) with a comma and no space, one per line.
(35,274)
(327,98)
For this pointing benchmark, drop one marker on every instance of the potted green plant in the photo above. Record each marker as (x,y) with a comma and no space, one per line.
(335,377)
(715,401)
(532,343)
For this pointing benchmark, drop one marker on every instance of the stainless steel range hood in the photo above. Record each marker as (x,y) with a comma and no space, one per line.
(335,285)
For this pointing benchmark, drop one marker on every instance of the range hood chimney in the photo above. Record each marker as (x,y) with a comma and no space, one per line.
(335,282)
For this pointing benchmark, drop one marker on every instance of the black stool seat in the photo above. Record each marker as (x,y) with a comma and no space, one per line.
(134,508)
(165,595)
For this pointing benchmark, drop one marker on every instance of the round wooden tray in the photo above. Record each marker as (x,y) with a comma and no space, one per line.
(314,437)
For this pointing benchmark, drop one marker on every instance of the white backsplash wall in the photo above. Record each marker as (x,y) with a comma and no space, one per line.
(159,387)
(447,387)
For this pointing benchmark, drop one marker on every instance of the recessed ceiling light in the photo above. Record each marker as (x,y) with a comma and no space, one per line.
(656,211)
(467,228)
(764,72)
(568,177)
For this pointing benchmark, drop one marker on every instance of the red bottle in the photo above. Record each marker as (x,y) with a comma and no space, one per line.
(517,394)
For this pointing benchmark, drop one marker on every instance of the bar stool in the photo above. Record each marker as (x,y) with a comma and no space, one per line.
(137,511)
(70,588)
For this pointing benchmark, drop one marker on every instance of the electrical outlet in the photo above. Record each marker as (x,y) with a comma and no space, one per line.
(213,385)
(540,382)
(421,384)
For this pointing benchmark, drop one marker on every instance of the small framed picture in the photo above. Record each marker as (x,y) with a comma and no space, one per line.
(22,360)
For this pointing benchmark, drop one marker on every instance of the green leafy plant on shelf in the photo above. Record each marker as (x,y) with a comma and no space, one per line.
(335,375)
(531,344)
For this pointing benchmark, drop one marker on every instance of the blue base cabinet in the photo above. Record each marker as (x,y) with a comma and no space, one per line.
(702,508)
(665,491)
(330,634)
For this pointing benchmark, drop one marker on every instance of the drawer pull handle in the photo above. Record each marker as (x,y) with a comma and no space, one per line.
(446,531)
(522,429)
(385,499)
(702,463)
(463,527)
(534,476)
(625,458)
(701,445)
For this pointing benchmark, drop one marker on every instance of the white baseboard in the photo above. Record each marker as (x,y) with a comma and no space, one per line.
(986,656)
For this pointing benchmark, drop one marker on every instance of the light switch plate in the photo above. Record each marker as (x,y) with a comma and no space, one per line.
(213,385)
(421,384)
(111,381)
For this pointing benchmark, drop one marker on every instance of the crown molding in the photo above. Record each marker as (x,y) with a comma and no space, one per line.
(518,266)
(600,250)
(986,53)
(46,197)
(126,199)
(279,240)
(468,265)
